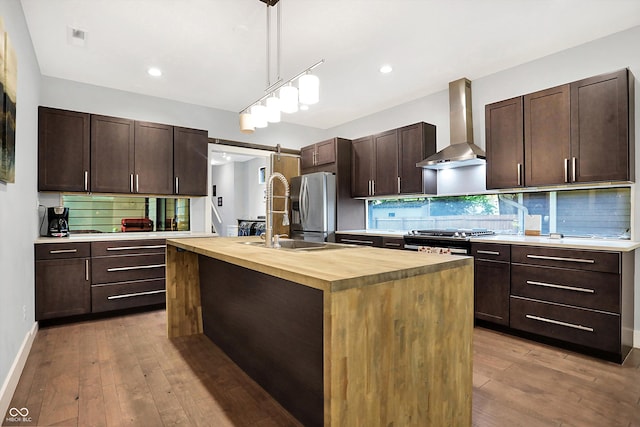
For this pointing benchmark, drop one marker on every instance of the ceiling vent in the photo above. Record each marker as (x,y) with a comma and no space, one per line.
(76,37)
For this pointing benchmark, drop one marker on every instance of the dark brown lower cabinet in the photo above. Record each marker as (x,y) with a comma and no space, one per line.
(62,280)
(491,284)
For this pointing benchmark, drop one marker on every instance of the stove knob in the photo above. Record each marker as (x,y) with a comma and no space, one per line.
(464,234)
(456,234)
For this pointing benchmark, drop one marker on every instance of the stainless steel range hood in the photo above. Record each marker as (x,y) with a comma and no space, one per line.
(462,151)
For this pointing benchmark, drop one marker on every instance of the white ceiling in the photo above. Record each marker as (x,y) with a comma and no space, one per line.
(212,52)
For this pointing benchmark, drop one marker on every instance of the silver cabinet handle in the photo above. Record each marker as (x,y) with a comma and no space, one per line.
(86,270)
(398,185)
(366,242)
(137,294)
(86,180)
(131,183)
(137,183)
(519,174)
(573,169)
(135,267)
(395,245)
(129,248)
(558,322)
(565,287)
(566,170)
(488,252)
(63,251)
(557,258)
(373,187)
(369,189)
(177,185)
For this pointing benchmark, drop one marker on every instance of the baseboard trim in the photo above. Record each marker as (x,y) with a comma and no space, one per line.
(11,382)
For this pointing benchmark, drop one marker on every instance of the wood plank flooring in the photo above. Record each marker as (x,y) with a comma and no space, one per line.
(123,371)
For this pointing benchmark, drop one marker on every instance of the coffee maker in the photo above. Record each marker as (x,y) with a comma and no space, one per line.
(58,219)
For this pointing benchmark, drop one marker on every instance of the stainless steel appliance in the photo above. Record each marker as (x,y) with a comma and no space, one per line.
(453,241)
(58,220)
(313,207)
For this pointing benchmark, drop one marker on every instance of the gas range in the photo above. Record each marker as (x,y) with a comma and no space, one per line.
(456,240)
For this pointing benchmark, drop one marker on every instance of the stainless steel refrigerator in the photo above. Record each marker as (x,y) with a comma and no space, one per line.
(313,207)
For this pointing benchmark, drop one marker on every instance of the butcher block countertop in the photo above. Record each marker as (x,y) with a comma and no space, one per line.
(326,269)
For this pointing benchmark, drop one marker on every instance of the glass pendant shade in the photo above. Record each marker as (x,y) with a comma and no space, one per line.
(259,115)
(288,99)
(273,109)
(309,89)
(246,123)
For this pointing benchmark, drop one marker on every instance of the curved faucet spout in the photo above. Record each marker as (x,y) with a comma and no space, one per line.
(268,241)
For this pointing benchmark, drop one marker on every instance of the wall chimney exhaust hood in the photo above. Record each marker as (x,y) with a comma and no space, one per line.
(462,151)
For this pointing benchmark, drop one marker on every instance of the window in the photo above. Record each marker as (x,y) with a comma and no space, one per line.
(114,214)
(601,212)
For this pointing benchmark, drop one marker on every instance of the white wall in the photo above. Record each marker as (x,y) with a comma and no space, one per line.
(600,56)
(254,202)
(18,209)
(223,177)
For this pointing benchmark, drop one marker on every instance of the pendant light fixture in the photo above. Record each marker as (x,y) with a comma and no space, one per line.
(289,97)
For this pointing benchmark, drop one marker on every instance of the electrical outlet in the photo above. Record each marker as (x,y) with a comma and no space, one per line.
(24,312)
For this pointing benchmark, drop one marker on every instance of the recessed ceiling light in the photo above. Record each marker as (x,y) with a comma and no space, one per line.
(155,72)
(385,69)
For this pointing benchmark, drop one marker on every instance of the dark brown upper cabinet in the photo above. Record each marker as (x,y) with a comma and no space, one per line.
(190,160)
(547,136)
(580,132)
(504,144)
(415,143)
(153,158)
(63,150)
(112,155)
(602,128)
(321,153)
(385,164)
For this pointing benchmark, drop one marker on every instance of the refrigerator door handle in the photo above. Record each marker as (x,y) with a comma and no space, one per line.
(303,201)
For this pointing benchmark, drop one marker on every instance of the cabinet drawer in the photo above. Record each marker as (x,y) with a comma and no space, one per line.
(585,327)
(62,250)
(393,242)
(590,289)
(491,251)
(608,262)
(127,295)
(128,247)
(359,239)
(127,268)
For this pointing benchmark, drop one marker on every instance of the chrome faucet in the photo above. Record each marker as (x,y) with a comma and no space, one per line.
(269,237)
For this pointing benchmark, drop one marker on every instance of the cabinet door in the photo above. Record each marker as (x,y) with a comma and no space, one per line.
(112,145)
(190,161)
(326,152)
(62,288)
(153,158)
(504,142)
(415,143)
(361,166)
(547,136)
(307,157)
(386,163)
(63,150)
(600,115)
(491,291)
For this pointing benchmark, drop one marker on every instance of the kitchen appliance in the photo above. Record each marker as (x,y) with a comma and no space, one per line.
(447,241)
(136,224)
(313,207)
(58,221)
(462,151)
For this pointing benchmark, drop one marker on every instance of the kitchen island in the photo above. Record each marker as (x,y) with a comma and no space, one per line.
(346,336)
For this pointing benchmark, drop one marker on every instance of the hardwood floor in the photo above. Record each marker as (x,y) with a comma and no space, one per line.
(124,371)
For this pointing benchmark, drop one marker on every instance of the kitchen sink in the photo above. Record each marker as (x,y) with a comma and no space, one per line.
(301,245)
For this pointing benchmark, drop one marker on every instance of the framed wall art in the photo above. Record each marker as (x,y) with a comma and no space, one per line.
(8,102)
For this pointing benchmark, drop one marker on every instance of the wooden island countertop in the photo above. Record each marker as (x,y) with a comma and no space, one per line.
(356,336)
